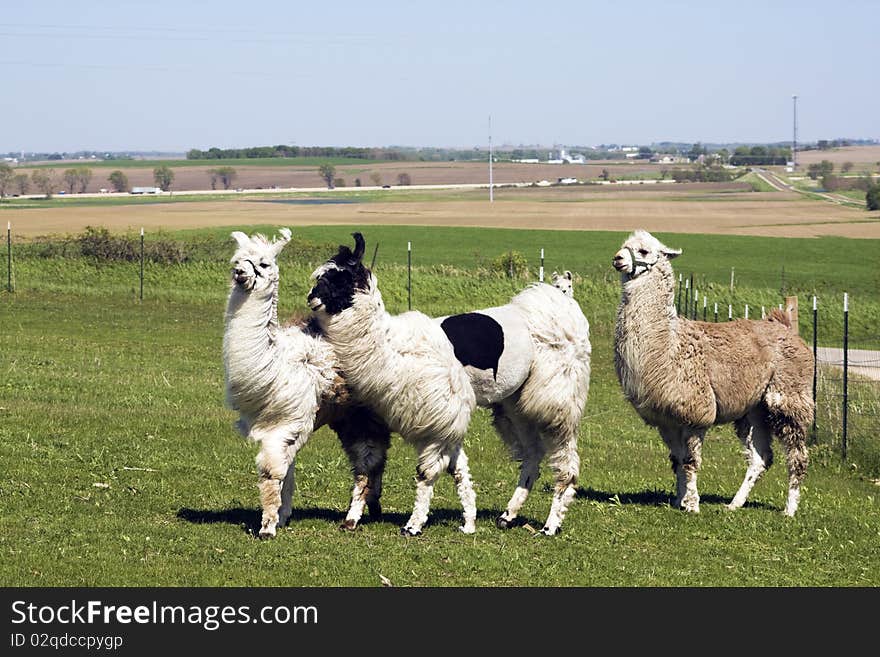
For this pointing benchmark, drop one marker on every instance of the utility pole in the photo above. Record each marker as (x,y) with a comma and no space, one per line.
(794,135)
(491,186)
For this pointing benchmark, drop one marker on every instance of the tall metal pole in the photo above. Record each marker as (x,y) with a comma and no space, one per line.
(845,368)
(409,275)
(541,270)
(794,135)
(491,185)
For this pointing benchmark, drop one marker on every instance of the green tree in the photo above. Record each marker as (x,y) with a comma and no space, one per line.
(119,181)
(6,177)
(339,182)
(227,176)
(44,180)
(846,167)
(327,172)
(404,179)
(164,176)
(22,183)
(872,197)
(85,175)
(376,178)
(71,177)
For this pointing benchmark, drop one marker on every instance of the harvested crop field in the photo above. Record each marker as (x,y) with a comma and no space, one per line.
(687,209)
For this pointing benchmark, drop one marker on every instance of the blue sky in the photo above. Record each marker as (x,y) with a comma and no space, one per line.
(169,76)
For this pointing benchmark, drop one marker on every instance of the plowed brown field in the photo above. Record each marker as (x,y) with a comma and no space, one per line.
(689,210)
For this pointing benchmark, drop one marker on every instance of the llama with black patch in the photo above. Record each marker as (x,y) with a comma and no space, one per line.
(529,361)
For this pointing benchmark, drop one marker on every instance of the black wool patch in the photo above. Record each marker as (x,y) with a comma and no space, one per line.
(478,340)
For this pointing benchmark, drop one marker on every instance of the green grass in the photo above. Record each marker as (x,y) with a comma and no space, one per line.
(97,388)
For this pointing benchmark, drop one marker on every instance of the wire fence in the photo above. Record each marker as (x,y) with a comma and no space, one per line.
(846,378)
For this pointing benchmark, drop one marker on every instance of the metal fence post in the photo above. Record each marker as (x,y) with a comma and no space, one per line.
(678,296)
(705,301)
(815,361)
(716,312)
(541,270)
(9,256)
(142,263)
(409,275)
(845,368)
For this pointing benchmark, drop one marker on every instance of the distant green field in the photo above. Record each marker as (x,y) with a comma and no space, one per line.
(121,466)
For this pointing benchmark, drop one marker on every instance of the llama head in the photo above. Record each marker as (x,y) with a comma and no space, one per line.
(563,282)
(640,253)
(338,279)
(255,262)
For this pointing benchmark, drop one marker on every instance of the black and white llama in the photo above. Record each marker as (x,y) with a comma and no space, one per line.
(404,368)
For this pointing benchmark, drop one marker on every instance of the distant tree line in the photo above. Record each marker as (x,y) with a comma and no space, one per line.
(282,150)
(760,155)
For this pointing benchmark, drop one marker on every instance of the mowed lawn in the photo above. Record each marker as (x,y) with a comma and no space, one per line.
(121,467)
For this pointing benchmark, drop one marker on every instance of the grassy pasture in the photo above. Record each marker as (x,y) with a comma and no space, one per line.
(121,467)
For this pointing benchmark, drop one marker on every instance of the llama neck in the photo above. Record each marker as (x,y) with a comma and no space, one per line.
(250,341)
(646,328)
(360,338)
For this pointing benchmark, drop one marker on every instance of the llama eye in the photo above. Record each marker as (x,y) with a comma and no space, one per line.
(264,265)
(643,252)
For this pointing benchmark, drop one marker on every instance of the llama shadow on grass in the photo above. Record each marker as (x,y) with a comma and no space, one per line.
(250,519)
(655,498)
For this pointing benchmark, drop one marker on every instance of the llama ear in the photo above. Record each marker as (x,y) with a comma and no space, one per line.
(568,274)
(240,238)
(278,244)
(670,253)
(359,246)
(554,275)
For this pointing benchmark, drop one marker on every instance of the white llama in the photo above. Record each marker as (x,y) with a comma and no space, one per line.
(404,368)
(685,376)
(283,383)
(529,361)
(563,282)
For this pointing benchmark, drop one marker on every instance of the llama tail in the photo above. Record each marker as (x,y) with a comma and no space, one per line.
(780,316)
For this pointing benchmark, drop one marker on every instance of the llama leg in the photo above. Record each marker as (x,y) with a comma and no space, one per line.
(379,454)
(693,444)
(685,451)
(793,435)
(790,413)
(287,489)
(528,475)
(566,463)
(430,467)
(458,468)
(273,465)
(672,437)
(367,454)
(755,436)
(368,465)
(525,445)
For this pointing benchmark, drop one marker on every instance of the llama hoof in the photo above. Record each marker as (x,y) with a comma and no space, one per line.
(374,509)
(407,531)
(731,506)
(547,531)
(349,525)
(469,528)
(267,533)
(503,523)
